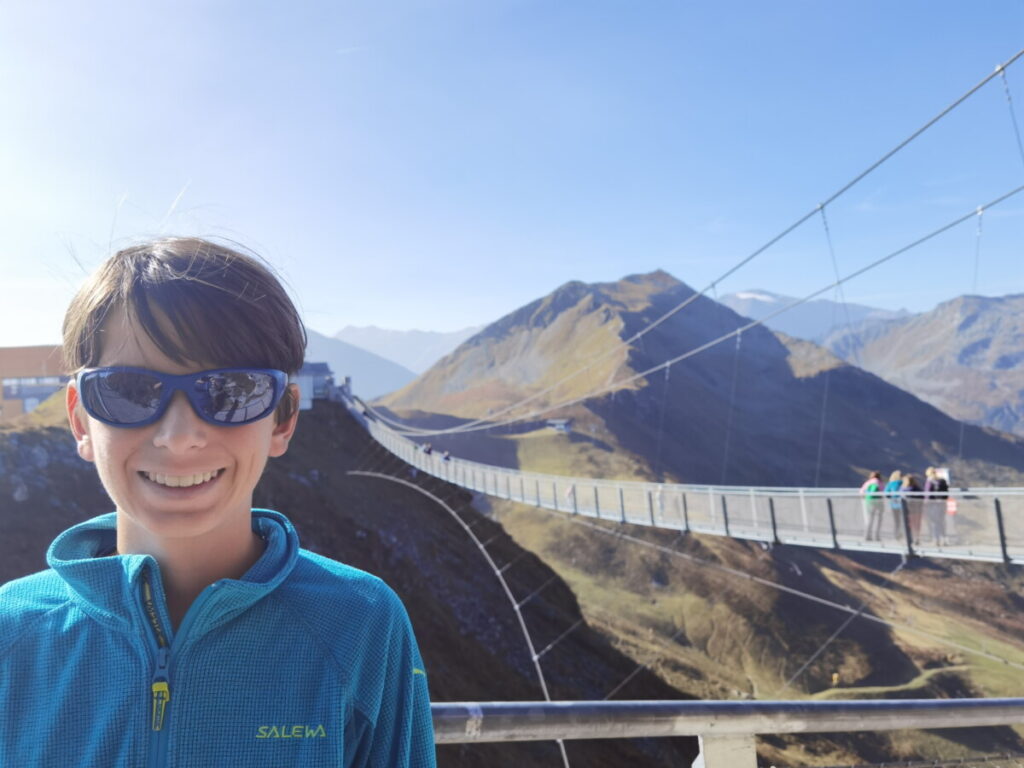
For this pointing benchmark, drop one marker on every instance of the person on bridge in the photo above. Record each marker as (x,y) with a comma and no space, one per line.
(913,500)
(871,490)
(892,495)
(186,627)
(936,491)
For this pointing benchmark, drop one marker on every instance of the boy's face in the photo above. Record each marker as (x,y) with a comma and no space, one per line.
(131,461)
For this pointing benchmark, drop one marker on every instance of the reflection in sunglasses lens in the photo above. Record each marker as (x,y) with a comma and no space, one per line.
(239,395)
(124,397)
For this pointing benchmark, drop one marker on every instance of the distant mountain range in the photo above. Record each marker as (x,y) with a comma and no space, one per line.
(372,375)
(415,350)
(747,413)
(813,320)
(965,357)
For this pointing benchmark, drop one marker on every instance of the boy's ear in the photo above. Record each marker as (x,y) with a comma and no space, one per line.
(77,420)
(285,428)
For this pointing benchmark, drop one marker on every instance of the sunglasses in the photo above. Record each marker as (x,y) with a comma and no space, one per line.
(136,397)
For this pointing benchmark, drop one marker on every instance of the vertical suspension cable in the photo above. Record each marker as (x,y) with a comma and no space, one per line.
(977,251)
(732,392)
(821,432)
(1013,114)
(661,425)
(839,288)
(974,291)
(828,373)
(732,403)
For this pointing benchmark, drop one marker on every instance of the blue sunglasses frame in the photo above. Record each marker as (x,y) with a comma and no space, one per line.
(199,398)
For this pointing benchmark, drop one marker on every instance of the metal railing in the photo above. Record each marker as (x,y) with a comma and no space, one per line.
(727,729)
(971,524)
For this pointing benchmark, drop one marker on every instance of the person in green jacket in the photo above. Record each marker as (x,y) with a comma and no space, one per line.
(892,494)
(871,490)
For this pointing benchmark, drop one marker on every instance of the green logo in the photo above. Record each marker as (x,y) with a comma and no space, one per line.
(291,732)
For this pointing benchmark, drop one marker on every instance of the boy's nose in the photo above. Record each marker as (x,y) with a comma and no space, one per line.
(180,429)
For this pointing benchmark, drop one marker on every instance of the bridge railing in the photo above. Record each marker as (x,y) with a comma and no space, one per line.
(727,729)
(972,523)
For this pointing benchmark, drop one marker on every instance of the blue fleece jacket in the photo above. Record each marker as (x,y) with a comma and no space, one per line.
(301,662)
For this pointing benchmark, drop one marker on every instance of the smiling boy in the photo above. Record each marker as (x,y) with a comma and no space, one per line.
(186,628)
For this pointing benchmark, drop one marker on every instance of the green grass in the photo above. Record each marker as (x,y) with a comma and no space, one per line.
(554,453)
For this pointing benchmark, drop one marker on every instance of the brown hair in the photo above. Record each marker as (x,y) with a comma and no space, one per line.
(198,301)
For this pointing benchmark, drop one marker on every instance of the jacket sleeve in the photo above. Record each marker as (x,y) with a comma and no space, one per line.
(401,735)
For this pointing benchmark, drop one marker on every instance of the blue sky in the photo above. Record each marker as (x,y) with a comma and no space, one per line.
(437,164)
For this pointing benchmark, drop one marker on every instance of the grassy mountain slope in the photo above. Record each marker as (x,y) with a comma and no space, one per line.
(748,411)
(526,352)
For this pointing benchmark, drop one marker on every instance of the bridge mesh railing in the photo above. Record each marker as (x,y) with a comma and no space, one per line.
(975,523)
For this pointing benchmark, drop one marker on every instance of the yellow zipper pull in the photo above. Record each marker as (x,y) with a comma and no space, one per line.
(161,689)
(161,695)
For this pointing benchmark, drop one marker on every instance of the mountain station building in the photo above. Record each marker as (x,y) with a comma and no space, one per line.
(315,380)
(28,375)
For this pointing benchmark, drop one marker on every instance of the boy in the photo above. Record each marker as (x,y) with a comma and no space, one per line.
(185,628)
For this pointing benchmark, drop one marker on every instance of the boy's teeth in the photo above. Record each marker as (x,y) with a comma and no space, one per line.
(181,481)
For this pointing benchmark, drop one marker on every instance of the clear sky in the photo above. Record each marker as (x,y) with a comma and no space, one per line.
(435,164)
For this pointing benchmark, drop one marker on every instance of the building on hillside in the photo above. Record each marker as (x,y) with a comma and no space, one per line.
(315,381)
(559,425)
(28,375)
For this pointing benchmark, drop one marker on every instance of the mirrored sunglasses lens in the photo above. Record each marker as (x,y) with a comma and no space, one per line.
(121,397)
(236,397)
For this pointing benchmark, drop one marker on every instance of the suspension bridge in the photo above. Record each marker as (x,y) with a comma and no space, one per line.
(967,524)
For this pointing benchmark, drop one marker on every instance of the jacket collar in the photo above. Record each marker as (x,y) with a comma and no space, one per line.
(107,587)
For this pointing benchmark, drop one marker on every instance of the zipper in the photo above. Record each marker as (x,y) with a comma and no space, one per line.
(161,685)
(160,688)
(162,644)
(161,691)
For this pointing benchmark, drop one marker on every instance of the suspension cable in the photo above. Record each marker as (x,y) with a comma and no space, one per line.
(732,406)
(490,561)
(828,371)
(1001,70)
(661,426)
(974,291)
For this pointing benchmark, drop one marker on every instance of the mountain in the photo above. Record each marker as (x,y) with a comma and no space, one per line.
(746,413)
(372,375)
(812,320)
(965,357)
(415,350)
